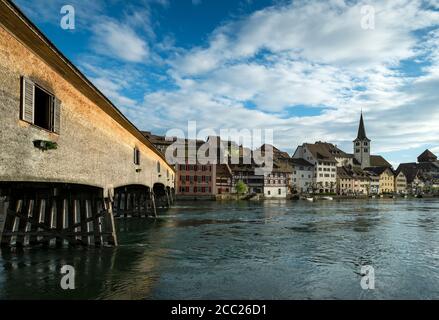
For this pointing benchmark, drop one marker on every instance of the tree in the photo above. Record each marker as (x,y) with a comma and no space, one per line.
(241,187)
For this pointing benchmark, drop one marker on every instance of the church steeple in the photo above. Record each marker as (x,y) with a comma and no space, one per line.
(361,130)
(362,145)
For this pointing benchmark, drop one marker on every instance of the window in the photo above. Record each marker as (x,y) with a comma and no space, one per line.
(39,107)
(357,150)
(365,143)
(279,191)
(269,192)
(136,156)
(366,150)
(158,166)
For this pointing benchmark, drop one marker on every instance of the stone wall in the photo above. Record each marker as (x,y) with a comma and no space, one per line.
(93,148)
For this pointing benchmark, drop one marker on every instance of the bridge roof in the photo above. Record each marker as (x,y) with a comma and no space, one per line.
(13,19)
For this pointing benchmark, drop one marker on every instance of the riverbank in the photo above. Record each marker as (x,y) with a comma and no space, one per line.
(261,197)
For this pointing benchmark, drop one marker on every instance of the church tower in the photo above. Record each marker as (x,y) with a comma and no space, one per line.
(362,146)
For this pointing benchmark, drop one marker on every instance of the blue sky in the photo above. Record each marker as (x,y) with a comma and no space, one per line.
(304,69)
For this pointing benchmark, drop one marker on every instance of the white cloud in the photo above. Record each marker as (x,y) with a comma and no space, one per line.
(119,41)
(312,54)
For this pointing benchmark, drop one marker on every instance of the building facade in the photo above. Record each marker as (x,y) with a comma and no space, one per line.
(303,176)
(400,183)
(325,166)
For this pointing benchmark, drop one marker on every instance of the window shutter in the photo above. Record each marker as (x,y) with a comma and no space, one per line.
(28,100)
(56,115)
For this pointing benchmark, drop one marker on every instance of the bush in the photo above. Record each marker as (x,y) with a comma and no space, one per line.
(241,187)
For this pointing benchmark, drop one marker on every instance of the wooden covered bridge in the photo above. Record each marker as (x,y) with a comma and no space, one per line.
(70,161)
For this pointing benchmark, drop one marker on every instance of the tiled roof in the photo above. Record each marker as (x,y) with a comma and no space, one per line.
(427,156)
(324,151)
(410,171)
(377,170)
(301,162)
(379,161)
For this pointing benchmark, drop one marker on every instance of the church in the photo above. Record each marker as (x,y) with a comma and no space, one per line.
(362,150)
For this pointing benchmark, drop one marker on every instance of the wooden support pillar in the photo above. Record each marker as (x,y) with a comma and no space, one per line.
(83,219)
(112,240)
(16,222)
(125,204)
(153,207)
(8,221)
(96,221)
(27,207)
(3,213)
(168,200)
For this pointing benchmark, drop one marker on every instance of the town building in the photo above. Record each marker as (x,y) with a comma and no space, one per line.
(248,174)
(353,181)
(386,178)
(303,176)
(415,180)
(325,166)
(224,179)
(160,142)
(194,180)
(345,181)
(400,183)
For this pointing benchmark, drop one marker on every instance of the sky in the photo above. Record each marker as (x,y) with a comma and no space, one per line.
(304,69)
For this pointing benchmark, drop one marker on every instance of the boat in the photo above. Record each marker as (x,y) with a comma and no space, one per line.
(327,198)
(310,199)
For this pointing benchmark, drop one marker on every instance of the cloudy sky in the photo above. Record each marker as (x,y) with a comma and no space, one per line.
(303,68)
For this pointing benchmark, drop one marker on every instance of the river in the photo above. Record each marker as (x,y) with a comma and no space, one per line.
(247,250)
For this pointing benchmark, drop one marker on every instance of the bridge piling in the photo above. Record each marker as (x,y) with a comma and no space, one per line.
(43,215)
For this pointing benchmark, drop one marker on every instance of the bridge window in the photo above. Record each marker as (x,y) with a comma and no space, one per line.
(39,107)
(136,156)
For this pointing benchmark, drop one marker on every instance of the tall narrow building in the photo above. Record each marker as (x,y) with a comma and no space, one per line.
(362,146)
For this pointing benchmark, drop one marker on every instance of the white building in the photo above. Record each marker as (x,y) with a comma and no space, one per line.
(303,176)
(325,165)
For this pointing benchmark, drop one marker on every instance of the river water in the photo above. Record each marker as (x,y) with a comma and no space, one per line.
(248,250)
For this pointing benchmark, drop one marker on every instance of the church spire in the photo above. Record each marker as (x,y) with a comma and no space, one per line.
(361,130)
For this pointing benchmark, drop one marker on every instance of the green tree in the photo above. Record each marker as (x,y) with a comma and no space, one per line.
(241,187)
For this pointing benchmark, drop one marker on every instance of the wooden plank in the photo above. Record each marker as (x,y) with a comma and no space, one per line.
(154,209)
(4,222)
(83,218)
(96,227)
(16,223)
(20,241)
